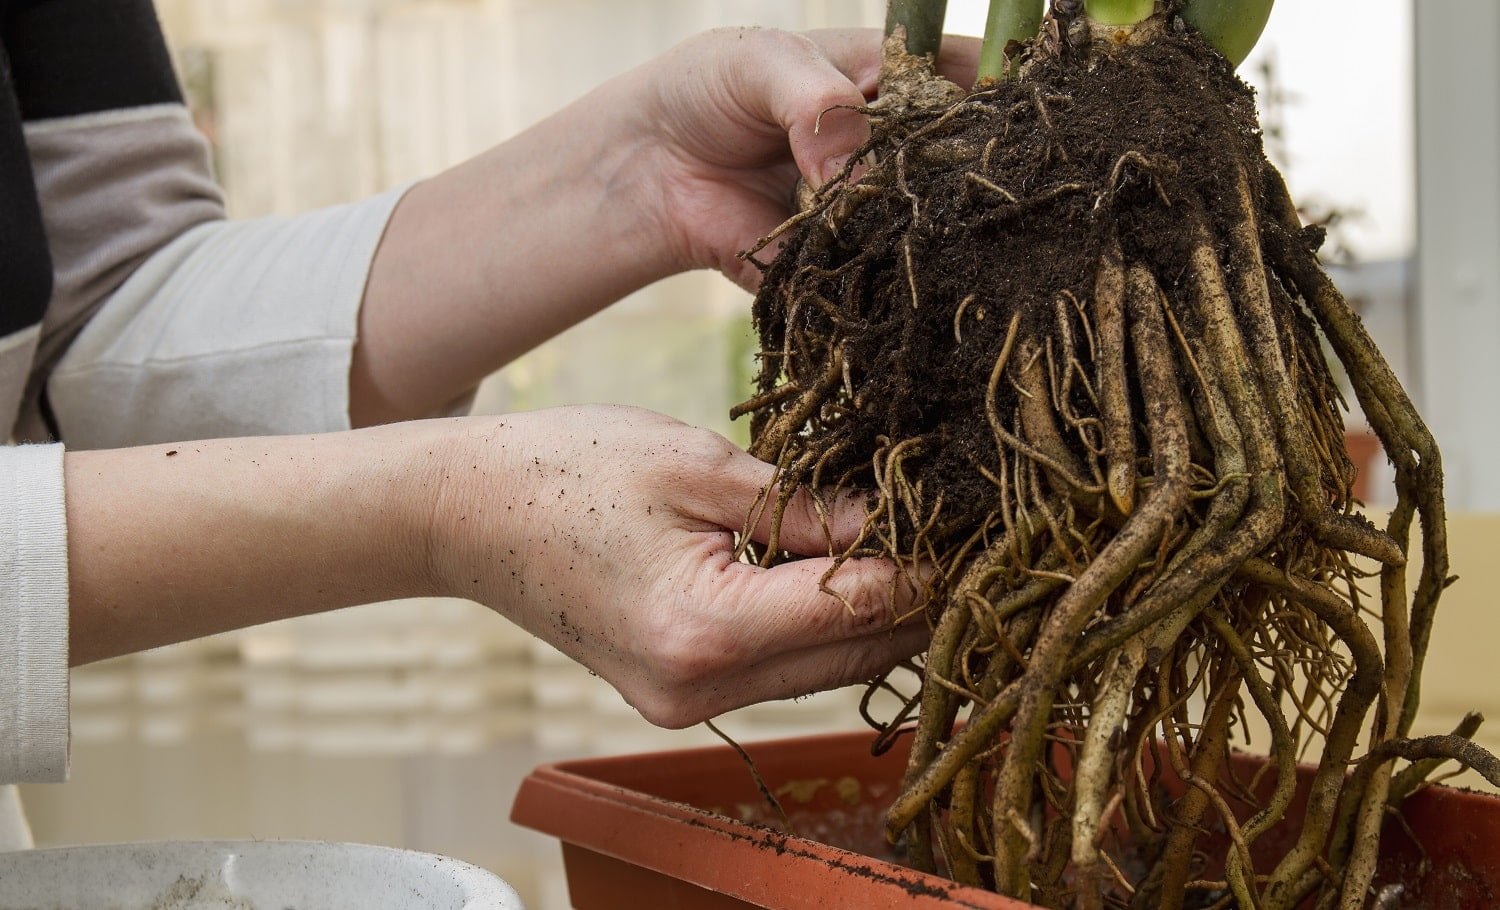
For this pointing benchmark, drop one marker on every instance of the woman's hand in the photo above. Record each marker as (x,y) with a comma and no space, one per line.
(609,532)
(678,164)
(735,116)
(742,112)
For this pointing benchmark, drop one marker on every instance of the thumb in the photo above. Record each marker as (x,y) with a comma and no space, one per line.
(810,97)
(811,522)
(735,490)
(822,150)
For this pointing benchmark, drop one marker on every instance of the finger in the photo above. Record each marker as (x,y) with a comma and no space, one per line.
(791,606)
(813,523)
(808,670)
(958,60)
(736,487)
(856,52)
(758,218)
(746,276)
(807,95)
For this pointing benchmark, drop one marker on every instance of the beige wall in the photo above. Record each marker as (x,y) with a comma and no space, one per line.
(1463,664)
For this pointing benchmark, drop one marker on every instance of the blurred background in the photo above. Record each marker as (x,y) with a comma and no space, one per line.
(410,724)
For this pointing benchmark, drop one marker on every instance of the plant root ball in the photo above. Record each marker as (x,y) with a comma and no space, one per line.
(1067,333)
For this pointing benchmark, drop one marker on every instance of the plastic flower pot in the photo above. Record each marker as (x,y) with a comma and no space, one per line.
(689,829)
(229,875)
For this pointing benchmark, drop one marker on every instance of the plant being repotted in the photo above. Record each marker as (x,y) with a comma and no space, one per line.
(1066,328)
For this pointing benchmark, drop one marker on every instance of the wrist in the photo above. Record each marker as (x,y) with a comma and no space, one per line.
(612,183)
(465,519)
(392,490)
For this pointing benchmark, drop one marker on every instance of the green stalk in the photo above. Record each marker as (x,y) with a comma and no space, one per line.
(1119,12)
(924,24)
(1009,20)
(1232,26)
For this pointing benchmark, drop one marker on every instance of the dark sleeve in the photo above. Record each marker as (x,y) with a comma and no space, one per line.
(98,148)
(72,57)
(25,267)
(60,58)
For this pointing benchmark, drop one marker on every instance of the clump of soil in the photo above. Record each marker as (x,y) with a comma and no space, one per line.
(1068,333)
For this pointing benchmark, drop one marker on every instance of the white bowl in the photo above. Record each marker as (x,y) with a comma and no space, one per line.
(245,875)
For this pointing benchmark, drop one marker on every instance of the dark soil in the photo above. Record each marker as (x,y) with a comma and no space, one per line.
(1175,107)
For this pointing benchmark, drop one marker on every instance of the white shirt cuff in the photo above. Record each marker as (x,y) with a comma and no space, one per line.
(33,615)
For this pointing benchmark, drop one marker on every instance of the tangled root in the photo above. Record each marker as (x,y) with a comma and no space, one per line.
(1069,331)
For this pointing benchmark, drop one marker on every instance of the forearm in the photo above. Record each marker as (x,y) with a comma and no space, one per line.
(172,542)
(489,259)
(608,532)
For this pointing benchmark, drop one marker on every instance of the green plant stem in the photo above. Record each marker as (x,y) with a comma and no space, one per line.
(1009,20)
(923,20)
(1120,12)
(1232,26)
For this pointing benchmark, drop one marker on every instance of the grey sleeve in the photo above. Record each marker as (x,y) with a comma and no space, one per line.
(189,325)
(114,187)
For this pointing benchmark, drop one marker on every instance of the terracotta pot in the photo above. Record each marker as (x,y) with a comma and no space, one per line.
(655,831)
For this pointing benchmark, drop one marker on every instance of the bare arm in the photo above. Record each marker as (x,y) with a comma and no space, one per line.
(602,530)
(172,542)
